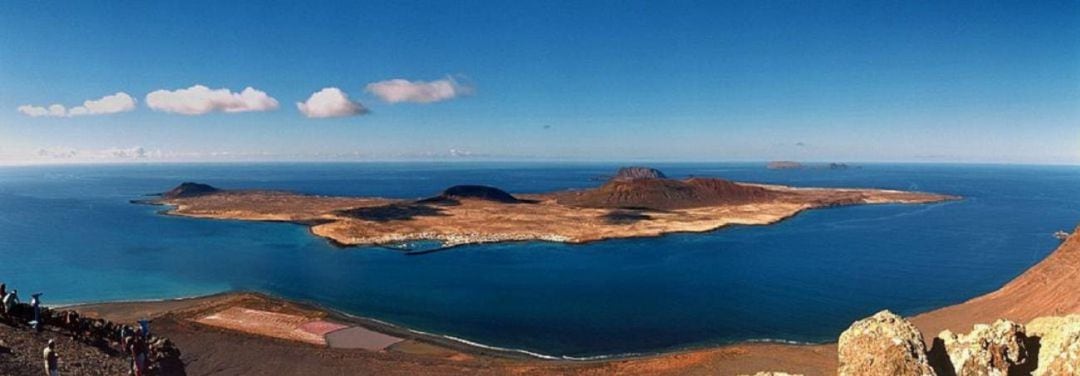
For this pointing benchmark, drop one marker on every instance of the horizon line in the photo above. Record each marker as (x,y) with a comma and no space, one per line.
(812,163)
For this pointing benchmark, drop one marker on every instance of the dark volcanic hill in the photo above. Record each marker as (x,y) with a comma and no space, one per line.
(665,194)
(189,189)
(477,192)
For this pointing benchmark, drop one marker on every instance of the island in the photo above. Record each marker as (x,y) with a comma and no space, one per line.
(636,202)
(784,165)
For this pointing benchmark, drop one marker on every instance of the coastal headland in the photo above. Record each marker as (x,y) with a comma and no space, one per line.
(636,202)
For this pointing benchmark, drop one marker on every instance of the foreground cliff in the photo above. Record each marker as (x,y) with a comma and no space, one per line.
(1030,326)
(1050,288)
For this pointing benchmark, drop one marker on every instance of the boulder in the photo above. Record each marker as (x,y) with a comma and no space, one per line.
(1059,344)
(989,350)
(882,345)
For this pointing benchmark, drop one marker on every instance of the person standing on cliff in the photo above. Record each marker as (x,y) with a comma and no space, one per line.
(10,300)
(3,294)
(35,304)
(52,366)
(138,350)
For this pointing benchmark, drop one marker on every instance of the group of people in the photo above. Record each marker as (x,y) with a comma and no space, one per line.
(135,342)
(10,302)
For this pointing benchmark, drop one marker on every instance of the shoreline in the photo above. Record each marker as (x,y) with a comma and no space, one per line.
(456,343)
(1049,287)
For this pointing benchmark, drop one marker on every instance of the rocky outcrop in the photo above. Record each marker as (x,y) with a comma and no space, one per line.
(189,189)
(886,344)
(882,345)
(989,350)
(636,172)
(1059,344)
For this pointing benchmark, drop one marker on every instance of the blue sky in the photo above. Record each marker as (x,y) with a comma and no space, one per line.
(585,80)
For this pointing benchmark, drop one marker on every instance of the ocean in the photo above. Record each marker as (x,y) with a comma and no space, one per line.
(71,233)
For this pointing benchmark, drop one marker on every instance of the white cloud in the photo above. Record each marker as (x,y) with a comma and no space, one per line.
(330,102)
(199,99)
(109,104)
(57,111)
(400,90)
(33,111)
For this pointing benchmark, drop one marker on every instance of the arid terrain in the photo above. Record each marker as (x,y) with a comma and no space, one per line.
(637,202)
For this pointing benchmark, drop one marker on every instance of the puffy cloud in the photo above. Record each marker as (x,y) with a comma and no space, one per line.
(109,104)
(400,90)
(57,111)
(199,99)
(33,111)
(330,102)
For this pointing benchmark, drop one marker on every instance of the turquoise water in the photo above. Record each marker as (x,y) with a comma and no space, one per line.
(70,231)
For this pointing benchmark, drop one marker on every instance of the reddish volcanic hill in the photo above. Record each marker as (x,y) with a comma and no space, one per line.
(665,194)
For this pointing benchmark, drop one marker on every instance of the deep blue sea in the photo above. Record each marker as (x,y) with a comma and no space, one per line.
(70,232)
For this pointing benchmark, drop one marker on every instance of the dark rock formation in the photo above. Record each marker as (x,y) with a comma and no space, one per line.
(189,189)
(637,172)
(476,192)
(625,217)
(392,212)
(882,345)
